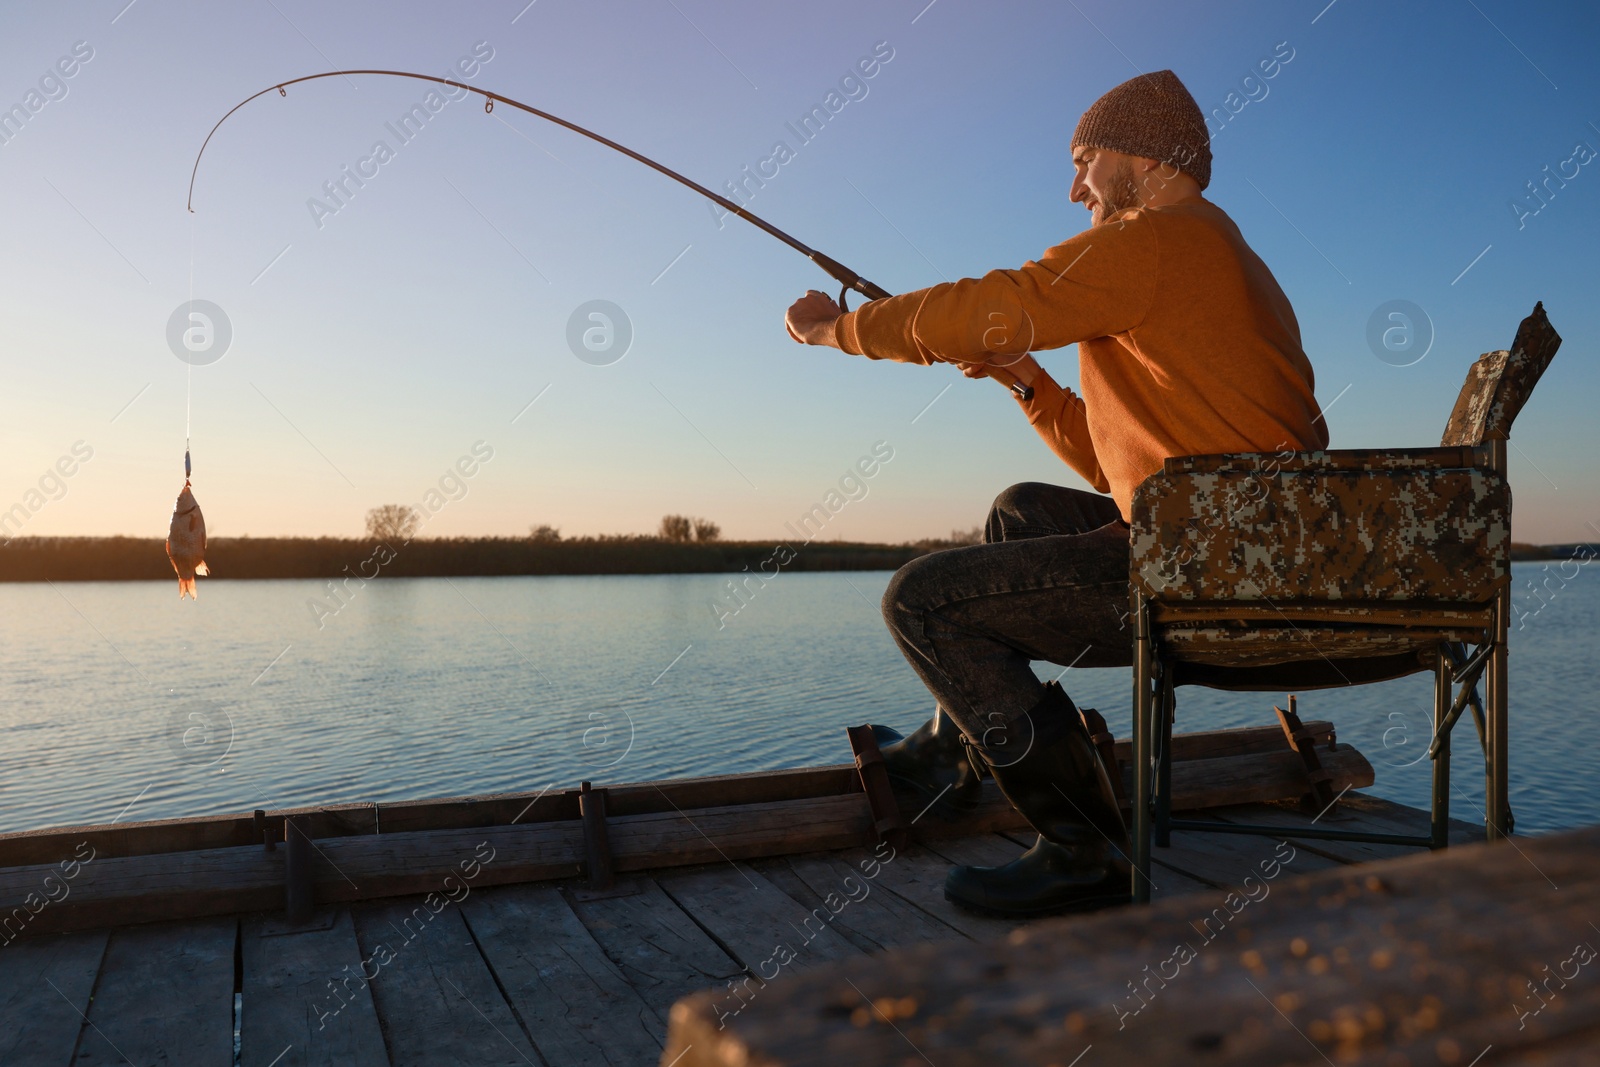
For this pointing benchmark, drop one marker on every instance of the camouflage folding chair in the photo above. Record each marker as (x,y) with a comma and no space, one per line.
(1312,570)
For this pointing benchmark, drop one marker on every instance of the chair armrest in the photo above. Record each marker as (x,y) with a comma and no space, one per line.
(1328,535)
(1329,459)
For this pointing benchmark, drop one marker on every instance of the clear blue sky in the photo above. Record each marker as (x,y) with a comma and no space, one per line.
(372,352)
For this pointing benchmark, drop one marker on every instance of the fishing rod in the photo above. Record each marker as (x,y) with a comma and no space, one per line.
(847,278)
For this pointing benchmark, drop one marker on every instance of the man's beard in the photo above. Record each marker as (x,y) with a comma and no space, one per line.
(1120,194)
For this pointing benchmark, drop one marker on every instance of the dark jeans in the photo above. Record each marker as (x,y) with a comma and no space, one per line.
(1049,583)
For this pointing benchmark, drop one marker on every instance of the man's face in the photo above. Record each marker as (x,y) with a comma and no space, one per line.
(1103,182)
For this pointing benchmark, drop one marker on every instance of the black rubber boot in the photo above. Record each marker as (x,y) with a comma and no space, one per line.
(931,767)
(1046,765)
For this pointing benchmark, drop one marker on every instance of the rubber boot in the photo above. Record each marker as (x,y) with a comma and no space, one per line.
(931,766)
(1047,767)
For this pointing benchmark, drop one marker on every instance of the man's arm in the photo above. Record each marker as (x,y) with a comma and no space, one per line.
(1058,416)
(1096,284)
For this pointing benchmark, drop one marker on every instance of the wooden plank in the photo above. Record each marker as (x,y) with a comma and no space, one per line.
(659,949)
(45,984)
(984,850)
(1357,812)
(28,847)
(1269,771)
(1238,741)
(1170,882)
(1266,776)
(305,1001)
(1428,959)
(165,995)
(743,831)
(870,918)
(1226,860)
(436,999)
(766,930)
(917,876)
(225,881)
(119,892)
(992,812)
(571,998)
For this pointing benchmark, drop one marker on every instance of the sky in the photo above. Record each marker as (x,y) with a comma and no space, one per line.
(420,325)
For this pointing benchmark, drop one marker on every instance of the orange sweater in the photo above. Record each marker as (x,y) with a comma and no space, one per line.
(1186,345)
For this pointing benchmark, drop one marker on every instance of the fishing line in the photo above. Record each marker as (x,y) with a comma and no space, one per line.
(847,278)
(188,389)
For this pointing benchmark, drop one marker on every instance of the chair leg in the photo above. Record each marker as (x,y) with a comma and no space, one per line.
(1164,708)
(1442,692)
(1458,656)
(1142,729)
(1497,793)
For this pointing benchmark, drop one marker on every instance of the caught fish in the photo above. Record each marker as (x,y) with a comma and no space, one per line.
(186,542)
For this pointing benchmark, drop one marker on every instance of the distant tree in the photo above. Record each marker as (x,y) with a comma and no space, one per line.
(678,528)
(544,535)
(706,530)
(393,524)
(957,539)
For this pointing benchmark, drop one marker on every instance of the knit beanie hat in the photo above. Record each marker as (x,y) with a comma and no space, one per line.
(1152,116)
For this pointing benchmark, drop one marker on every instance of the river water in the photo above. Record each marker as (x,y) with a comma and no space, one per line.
(119,702)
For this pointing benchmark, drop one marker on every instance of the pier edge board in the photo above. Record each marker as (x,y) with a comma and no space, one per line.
(193,833)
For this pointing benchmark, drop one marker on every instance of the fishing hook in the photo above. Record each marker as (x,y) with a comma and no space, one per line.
(847,278)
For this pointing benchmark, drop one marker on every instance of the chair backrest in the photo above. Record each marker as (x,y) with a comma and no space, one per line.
(1499,383)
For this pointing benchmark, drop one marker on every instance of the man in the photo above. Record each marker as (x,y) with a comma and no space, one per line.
(1186,346)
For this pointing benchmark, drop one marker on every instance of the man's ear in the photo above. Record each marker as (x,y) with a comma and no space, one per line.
(1164,170)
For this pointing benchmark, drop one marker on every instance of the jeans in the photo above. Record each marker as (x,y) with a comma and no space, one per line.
(1050,582)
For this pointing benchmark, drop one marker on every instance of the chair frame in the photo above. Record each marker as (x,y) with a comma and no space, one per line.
(1471,638)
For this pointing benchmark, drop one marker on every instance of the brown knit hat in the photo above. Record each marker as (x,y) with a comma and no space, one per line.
(1152,116)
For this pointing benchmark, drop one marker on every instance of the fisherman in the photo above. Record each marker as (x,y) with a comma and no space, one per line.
(1186,346)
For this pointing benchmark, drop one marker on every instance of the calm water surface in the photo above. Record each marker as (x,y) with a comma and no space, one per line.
(118,701)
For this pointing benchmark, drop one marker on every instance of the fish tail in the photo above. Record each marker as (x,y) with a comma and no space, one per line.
(186,589)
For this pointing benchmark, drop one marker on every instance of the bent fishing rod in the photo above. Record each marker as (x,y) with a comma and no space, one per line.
(847,278)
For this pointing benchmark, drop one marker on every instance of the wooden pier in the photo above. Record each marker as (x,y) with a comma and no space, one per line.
(551,973)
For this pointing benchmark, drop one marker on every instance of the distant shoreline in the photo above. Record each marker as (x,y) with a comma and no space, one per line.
(110,559)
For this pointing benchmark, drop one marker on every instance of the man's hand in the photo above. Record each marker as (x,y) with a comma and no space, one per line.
(810,319)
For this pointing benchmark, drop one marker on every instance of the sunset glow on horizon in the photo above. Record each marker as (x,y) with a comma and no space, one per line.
(409,280)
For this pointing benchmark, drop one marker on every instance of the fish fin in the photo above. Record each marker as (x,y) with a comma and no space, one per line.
(203,571)
(186,589)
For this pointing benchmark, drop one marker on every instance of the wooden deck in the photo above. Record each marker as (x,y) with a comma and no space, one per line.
(547,973)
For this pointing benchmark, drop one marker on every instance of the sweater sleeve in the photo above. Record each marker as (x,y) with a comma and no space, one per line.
(1058,416)
(1098,283)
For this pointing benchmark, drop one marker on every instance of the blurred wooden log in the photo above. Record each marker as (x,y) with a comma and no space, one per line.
(1432,958)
